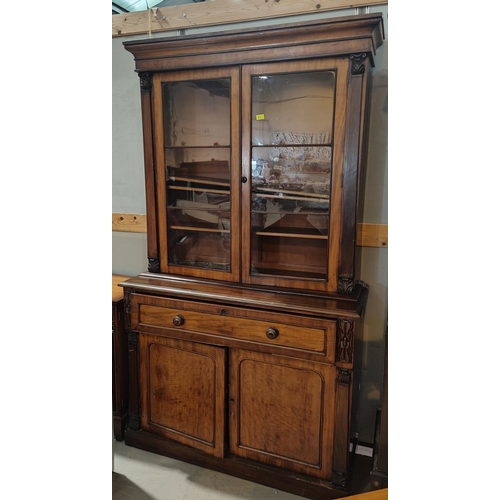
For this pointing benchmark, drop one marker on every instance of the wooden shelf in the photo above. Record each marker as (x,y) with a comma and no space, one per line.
(300,198)
(288,191)
(200,229)
(199,180)
(185,188)
(284,212)
(292,235)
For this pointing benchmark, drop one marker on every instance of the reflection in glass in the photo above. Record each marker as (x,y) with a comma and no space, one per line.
(198,249)
(197,162)
(291,165)
(293,108)
(197,113)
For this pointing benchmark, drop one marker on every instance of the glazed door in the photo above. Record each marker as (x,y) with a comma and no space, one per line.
(281,412)
(293,135)
(182,392)
(197,137)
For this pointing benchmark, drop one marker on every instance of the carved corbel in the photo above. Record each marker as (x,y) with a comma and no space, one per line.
(345,285)
(146,82)
(344,377)
(357,64)
(134,422)
(153,265)
(345,341)
(132,337)
(339,479)
(126,299)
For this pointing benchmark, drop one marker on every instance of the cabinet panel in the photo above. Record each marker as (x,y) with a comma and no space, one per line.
(302,333)
(183,391)
(119,372)
(253,159)
(197,151)
(281,412)
(293,130)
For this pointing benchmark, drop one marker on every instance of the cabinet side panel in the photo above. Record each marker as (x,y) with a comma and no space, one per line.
(149,166)
(352,157)
(337,174)
(120,371)
(161,200)
(362,165)
(343,394)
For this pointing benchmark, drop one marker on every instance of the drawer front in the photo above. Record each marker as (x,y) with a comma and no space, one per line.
(287,331)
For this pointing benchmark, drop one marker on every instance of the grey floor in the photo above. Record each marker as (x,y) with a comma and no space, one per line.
(140,475)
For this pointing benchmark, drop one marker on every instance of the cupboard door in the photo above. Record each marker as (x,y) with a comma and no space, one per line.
(281,412)
(293,120)
(182,387)
(198,157)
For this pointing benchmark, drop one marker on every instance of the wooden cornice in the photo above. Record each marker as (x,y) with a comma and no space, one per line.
(219,12)
(368,235)
(344,35)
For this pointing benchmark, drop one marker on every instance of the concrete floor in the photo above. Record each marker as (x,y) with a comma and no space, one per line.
(140,475)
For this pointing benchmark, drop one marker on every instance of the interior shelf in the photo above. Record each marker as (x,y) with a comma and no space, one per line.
(292,235)
(200,229)
(199,180)
(205,190)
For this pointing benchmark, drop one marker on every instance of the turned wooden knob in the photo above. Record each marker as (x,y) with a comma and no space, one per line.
(178,320)
(272,333)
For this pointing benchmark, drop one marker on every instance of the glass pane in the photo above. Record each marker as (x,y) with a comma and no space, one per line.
(312,226)
(293,108)
(197,113)
(295,178)
(199,249)
(186,158)
(197,163)
(289,256)
(292,150)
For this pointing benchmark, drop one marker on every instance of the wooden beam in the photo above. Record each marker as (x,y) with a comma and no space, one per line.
(129,223)
(217,12)
(372,235)
(368,235)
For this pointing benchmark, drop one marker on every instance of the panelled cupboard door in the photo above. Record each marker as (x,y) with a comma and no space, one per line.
(281,412)
(197,156)
(183,391)
(293,122)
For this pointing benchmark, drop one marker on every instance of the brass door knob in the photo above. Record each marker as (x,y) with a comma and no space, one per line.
(272,333)
(178,320)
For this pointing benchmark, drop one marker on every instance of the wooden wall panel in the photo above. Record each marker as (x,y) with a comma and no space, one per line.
(368,235)
(372,235)
(129,223)
(218,12)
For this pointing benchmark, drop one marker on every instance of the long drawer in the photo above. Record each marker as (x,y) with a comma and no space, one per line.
(285,331)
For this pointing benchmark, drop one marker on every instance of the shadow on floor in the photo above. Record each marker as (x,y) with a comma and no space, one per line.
(199,481)
(124,489)
(360,481)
